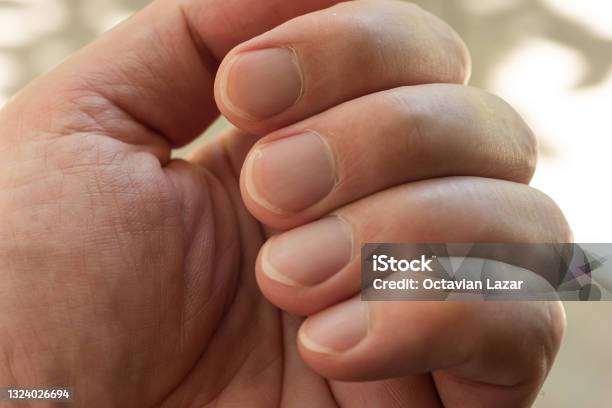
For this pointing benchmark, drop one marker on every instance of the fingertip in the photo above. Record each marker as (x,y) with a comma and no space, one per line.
(334,342)
(338,329)
(259,84)
(302,271)
(253,86)
(284,180)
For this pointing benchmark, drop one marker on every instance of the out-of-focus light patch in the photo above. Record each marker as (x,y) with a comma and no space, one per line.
(8,75)
(102,15)
(113,19)
(8,71)
(597,15)
(13,32)
(551,68)
(49,53)
(538,79)
(28,20)
(219,126)
(481,7)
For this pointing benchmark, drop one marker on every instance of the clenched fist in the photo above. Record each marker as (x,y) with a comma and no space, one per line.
(144,281)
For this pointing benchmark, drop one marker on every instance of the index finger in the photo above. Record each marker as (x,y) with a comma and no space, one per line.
(322,59)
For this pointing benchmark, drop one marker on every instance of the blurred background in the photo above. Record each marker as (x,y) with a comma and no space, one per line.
(551,59)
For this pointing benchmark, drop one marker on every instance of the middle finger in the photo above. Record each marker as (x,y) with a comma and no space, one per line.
(382,140)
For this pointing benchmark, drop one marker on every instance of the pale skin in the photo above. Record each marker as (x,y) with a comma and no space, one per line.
(144,281)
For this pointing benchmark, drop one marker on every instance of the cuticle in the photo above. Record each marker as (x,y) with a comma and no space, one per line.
(299,67)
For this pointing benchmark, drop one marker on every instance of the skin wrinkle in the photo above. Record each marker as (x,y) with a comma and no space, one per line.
(227,307)
(103,109)
(242,362)
(129,215)
(212,292)
(224,250)
(240,266)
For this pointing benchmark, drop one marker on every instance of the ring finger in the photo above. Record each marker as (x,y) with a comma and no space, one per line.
(317,265)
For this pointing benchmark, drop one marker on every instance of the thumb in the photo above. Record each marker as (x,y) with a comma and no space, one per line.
(148,82)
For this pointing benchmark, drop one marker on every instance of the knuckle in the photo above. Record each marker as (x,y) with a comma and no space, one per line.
(407,124)
(360,24)
(513,148)
(372,28)
(454,55)
(520,141)
(450,53)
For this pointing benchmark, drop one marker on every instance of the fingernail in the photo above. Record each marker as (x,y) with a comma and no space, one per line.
(263,83)
(310,254)
(337,329)
(291,174)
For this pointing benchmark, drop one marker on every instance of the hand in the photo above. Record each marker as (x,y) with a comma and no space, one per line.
(131,276)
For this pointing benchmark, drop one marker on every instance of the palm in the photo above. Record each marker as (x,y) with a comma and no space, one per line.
(136,280)
(155,300)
